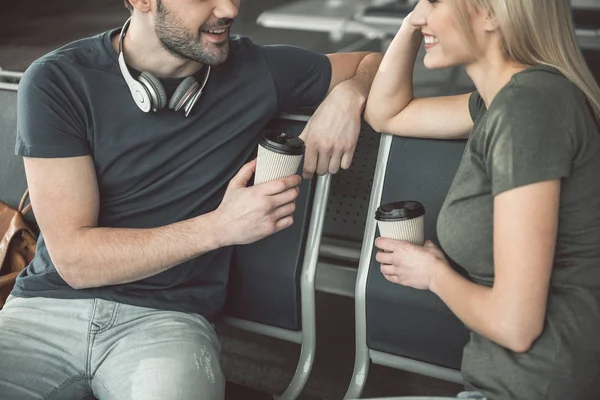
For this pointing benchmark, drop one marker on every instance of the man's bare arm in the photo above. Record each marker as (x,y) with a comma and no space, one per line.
(65,198)
(332,133)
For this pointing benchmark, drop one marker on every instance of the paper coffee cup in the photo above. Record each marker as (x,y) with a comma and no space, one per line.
(402,220)
(279,156)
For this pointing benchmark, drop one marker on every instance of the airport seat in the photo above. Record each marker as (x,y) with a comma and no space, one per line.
(396,326)
(272,282)
(390,12)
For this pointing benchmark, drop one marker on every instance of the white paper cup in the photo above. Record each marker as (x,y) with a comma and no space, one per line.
(279,156)
(402,220)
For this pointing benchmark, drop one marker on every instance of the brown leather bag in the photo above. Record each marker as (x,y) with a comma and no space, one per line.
(17,245)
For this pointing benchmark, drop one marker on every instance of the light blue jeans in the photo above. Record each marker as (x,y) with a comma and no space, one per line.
(75,349)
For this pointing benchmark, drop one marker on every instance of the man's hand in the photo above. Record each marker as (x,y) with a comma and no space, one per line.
(248,214)
(332,132)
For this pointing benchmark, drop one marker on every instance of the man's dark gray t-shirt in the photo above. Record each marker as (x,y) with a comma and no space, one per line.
(159,168)
(538,128)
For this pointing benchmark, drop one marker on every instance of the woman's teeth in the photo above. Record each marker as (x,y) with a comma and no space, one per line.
(431,40)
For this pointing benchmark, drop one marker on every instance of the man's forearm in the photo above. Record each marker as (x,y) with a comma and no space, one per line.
(109,256)
(362,80)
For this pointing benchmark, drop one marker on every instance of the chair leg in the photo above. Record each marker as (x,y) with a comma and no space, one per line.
(359,375)
(362,360)
(300,376)
(307,286)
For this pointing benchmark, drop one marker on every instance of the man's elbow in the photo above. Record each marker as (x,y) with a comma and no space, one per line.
(68,267)
(374,56)
(71,276)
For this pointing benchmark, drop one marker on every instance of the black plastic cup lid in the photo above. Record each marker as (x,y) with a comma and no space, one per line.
(279,142)
(399,210)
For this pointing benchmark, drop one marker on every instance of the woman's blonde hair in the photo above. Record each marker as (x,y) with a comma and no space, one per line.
(537,32)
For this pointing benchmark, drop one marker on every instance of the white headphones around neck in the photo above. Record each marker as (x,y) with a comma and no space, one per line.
(148,92)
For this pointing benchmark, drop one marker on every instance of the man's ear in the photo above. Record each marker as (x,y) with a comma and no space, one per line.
(143,6)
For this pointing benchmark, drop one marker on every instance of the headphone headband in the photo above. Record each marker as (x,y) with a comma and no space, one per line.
(147,91)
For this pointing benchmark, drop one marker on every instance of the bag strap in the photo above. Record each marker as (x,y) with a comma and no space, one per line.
(22,208)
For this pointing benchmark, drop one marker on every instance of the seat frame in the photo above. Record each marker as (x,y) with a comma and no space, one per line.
(307,336)
(364,355)
(9,75)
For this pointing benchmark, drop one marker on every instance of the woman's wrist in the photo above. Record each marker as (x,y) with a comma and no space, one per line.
(408,38)
(442,271)
(407,28)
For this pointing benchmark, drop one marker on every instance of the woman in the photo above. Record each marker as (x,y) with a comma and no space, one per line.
(523,213)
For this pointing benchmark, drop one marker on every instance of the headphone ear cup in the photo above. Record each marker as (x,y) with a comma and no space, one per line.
(155,88)
(184,92)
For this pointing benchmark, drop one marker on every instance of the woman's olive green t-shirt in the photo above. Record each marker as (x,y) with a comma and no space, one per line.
(539,127)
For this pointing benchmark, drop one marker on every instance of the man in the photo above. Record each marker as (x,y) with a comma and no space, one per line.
(138,211)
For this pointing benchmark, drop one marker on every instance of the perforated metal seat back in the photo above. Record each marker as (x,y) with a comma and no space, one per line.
(350,191)
(403,321)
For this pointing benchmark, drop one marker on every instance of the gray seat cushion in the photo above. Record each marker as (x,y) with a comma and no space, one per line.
(403,321)
(264,281)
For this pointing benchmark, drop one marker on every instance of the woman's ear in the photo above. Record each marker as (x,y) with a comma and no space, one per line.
(491,22)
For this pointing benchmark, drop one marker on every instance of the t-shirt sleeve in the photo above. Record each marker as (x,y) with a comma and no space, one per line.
(50,119)
(476,105)
(301,77)
(530,140)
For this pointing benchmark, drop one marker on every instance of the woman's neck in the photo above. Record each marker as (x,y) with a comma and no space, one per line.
(491,73)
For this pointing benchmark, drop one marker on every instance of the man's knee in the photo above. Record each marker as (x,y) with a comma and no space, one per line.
(170,357)
(193,376)
(180,379)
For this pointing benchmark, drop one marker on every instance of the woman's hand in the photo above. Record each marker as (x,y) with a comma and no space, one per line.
(410,265)
(406,24)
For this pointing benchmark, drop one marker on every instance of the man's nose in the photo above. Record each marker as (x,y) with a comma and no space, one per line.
(226,9)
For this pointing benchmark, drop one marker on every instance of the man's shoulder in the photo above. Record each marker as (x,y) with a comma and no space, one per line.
(79,55)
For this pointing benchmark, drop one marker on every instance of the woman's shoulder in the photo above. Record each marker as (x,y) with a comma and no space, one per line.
(539,89)
(539,98)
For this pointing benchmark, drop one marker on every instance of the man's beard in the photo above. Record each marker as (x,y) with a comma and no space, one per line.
(186,45)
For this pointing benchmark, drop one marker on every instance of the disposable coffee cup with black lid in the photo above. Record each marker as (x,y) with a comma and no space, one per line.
(279,156)
(402,220)
(281,143)
(399,211)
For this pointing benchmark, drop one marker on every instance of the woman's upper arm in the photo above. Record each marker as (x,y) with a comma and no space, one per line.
(446,117)
(528,147)
(525,231)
